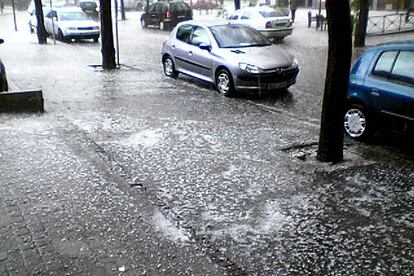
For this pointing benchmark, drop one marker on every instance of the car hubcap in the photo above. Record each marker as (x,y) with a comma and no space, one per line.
(168,67)
(355,122)
(223,83)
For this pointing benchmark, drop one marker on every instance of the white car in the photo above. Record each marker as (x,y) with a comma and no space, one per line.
(71,23)
(272,23)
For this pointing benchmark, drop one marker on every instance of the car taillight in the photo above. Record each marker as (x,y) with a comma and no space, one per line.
(168,14)
(268,24)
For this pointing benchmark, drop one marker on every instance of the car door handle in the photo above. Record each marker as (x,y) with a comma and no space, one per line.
(374,92)
(190,53)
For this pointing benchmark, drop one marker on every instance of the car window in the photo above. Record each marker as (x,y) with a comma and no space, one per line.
(152,8)
(199,36)
(234,17)
(51,14)
(179,7)
(247,15)
(238,36)
(272,13)
(404,65)
(184,33)
(159,8)
(385,63)
(72,16)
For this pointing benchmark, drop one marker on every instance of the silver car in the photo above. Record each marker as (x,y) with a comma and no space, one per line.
(232,56)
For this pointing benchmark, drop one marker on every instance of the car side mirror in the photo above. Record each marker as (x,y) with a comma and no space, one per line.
(1,40)
(204,46)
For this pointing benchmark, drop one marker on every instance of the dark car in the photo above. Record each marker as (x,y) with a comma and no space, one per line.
(166,15)
(3,80)
(381,91)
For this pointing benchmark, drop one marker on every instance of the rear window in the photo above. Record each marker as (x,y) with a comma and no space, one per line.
(184,33)
(270,13)
(179,7)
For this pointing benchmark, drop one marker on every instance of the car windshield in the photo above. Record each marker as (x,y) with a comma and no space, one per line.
(70,16)
(273,13)
(238,36)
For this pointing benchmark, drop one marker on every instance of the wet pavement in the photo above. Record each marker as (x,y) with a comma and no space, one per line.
(132,173)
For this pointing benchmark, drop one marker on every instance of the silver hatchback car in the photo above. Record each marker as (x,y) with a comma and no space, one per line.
(234,57)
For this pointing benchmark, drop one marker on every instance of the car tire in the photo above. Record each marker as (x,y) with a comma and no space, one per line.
(61,37)
(143,24)
(224,83)
(169,67)
(4,86)
(96,39)
(357,123)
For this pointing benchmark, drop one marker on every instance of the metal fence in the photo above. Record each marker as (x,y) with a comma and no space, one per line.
(390,23)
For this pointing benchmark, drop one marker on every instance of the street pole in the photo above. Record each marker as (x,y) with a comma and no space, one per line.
(116,32)
(14,15)
(320,7)
(53,24)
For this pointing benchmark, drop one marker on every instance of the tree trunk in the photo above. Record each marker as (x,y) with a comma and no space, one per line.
(107,36)
(361,23)
(41,31)
(236,4)
(122,7)
(331,137)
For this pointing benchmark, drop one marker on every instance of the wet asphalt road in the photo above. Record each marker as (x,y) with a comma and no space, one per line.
(214,175)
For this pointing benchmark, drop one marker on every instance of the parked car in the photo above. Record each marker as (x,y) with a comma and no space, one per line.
(71,23)
(3,79)
(381,91)
(275,24)
(166,15)
(234,57)
(90,7)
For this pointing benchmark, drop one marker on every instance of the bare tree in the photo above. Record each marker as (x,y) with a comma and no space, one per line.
(107,36)
(331,138)
(41,30)
(361,22)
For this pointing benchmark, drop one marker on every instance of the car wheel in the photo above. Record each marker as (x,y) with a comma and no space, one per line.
(95,39)
(4,85)
(356,123)
(143,24)
(224,83)
(61,37)
(169,68)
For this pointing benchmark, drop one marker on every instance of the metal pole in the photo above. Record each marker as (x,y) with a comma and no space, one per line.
(53,23)
(116,33)
(320,6)
(14,15)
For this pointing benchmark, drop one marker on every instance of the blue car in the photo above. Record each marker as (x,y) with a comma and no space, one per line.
(381,91)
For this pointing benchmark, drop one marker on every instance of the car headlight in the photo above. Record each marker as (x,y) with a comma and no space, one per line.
(250,68)
(71,29)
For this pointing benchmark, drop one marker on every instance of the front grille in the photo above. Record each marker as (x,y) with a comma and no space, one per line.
(273,77)
(85,28)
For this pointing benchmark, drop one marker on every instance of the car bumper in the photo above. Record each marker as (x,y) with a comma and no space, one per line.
(276,33)
(267,82)
(82,34)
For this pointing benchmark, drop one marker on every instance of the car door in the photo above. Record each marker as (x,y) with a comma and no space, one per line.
(200,59)
(391,87)
(48,22)
(181,47)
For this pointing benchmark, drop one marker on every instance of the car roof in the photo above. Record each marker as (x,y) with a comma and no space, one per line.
(68,9)
(206,22)
(395,45)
